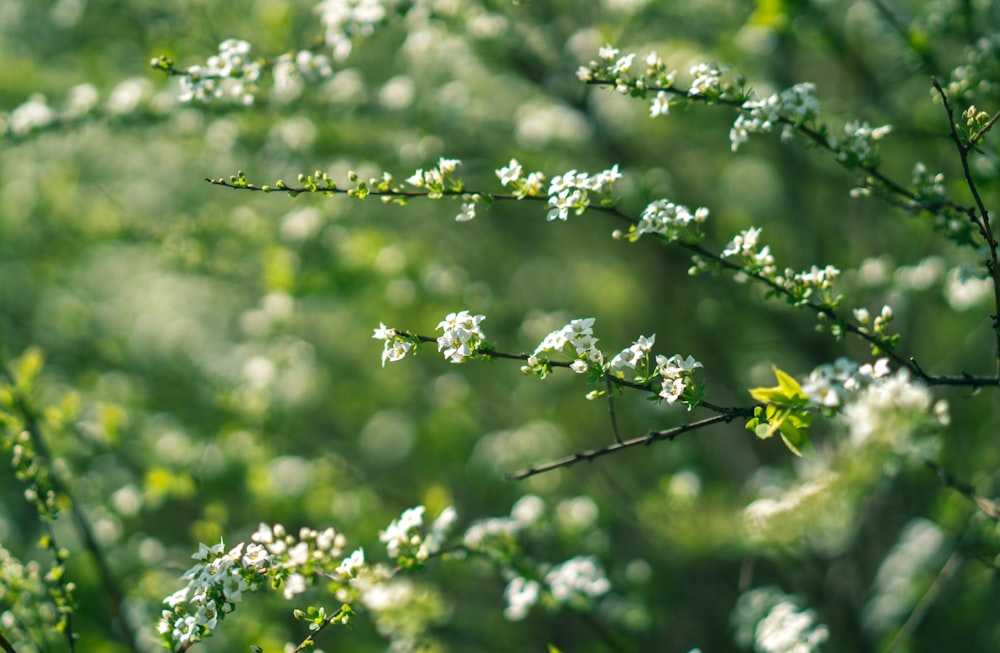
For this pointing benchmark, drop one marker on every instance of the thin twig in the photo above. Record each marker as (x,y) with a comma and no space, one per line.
(988,506)
(649,438)
(982,220)
(947,572)
(309,641)
(816,137)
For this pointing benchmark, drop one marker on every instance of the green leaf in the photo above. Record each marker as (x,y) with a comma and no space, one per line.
(796,439)
(785,413)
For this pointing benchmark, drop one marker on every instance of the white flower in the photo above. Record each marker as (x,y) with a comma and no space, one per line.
(398,533)
(743,244)
(448,166)
(352,563)
(707,78)
(296,584)
(660,106)
(467,213)
(528,509)
(579,577)
(521,594)
(608,53)
(461,335)
(667,218)
(510,173)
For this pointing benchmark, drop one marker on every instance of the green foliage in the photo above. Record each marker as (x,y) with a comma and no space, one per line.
(209,361)
(786,411)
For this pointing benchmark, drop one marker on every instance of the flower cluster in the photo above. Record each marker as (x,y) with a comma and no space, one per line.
(462,336)
(859,145)
(833,385)
(512,175)
(578,581)
(577,339)
(793,106)
(772,622)
(879,327)
(634,359)
(462,339)
(976,76)
(928,186)
(676,375)
(215,585)
(897,411)
(578,334)
(295,560)
(744,246)
(707,80)
(629,79)
(83,100)
(675,372)
(30,116)
(571,191)
(231,74)
(292,71)
(877,405)
(675,222)
(408,545)
(25,596)
(438,180)
(396,346)
(346,19)
(815,284)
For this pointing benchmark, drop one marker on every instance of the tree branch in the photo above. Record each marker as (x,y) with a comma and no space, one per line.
(982,220)
(649,438)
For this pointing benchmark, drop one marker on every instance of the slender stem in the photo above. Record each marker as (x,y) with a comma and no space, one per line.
(988,506)
(920,611)
(309,641)
(982,220)
(645,440)
(815,136)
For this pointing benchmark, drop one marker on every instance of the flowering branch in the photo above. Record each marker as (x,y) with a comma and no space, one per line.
(46,490)
(795,109)
(673,223)
(982,219)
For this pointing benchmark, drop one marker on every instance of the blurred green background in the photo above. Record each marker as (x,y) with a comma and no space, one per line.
(216,346)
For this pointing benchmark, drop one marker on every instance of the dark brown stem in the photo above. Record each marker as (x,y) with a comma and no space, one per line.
(645,440)
(982,220)
(989,507)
